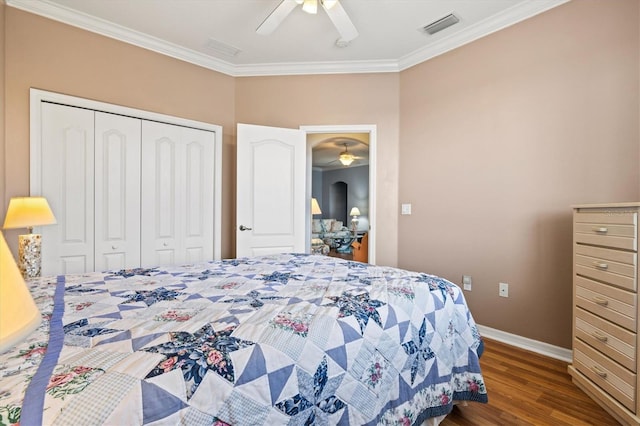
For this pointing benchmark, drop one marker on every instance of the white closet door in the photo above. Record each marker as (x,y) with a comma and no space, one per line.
(177,194)
(117,191)
(68,185)
(199,193)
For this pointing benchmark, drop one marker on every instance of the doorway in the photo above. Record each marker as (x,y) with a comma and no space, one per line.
(352,140)
(338,201)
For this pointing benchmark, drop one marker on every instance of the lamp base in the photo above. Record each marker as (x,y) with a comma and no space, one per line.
(29,259)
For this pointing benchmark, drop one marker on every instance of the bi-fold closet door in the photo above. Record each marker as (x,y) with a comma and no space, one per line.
(177,203)
(127,192)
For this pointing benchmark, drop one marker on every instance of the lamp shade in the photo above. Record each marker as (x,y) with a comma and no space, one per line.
(26,212)
(315,207)
(19,315)
(354,212)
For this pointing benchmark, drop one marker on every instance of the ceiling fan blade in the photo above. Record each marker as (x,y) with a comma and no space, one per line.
(276,17)
(341,21)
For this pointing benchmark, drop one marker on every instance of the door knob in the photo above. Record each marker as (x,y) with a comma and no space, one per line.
(244,228)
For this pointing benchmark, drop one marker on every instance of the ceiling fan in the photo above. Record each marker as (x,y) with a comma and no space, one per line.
(334,9)
(345,157)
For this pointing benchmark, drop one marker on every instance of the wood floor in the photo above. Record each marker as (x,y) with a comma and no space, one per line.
(525,388)
(346,256)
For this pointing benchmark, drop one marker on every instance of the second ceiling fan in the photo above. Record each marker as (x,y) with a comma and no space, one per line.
(334,10)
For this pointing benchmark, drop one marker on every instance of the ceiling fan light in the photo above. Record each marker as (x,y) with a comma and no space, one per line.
(310,6)
(346,158)
(328,4)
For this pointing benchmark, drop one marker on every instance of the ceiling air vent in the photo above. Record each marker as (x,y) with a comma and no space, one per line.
(441,24)
(222,48)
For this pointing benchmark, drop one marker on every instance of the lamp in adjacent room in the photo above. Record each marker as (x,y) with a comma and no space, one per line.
(315,207)
(19,315)
(355,212)
(27,212)
(317,244)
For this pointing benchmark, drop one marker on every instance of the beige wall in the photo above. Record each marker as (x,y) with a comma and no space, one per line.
(2,109)
(52,56)
(47,55)
(293,101)
(500,137)
(491,143)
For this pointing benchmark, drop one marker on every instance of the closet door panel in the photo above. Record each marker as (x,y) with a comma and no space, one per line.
(177,194)
(117,191)
(68,185)
(199,194)
(162,180)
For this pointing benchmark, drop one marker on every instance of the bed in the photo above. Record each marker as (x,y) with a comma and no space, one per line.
(283,339)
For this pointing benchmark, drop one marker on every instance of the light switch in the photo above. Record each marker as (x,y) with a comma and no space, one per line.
(466,282)
(406,209)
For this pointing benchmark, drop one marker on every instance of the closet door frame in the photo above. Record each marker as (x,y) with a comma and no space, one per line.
(38,96)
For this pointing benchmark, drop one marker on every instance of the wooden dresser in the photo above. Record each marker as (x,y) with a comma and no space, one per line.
(606,364)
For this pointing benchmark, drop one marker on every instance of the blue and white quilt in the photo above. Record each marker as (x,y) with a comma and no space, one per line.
(285,339)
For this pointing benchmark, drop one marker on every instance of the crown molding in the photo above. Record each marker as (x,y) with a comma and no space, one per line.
(517,13)
(109,29)
(302,68)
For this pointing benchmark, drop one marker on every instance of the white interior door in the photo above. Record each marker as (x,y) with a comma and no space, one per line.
(86,160)
(270,193)
(68,184)
(162,180)
(177,194)
(117,191)
(199,200)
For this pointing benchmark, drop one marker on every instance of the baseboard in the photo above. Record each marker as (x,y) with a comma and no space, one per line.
(525,343)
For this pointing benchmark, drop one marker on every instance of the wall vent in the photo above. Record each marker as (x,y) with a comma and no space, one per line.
(441,24)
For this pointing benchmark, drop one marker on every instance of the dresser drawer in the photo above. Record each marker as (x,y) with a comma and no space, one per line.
(616,236)
(616,380)
(606,217)
(614,341)
(611,266)
(614,304)
(612,228)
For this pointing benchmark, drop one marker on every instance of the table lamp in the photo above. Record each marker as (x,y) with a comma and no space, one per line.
(355,212)
(27,212)
(19,315)
(315,207)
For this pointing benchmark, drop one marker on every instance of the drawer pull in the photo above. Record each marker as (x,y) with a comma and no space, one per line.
(600,337)
(600,301)
(599,372)
(601,265)
(600,230)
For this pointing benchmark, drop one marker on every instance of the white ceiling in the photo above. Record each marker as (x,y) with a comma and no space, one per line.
(327,147)
(390,37)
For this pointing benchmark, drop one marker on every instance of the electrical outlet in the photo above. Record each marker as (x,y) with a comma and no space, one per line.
(466,282)
(503,290)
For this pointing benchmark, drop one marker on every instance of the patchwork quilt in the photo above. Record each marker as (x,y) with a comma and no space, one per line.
(285,339)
